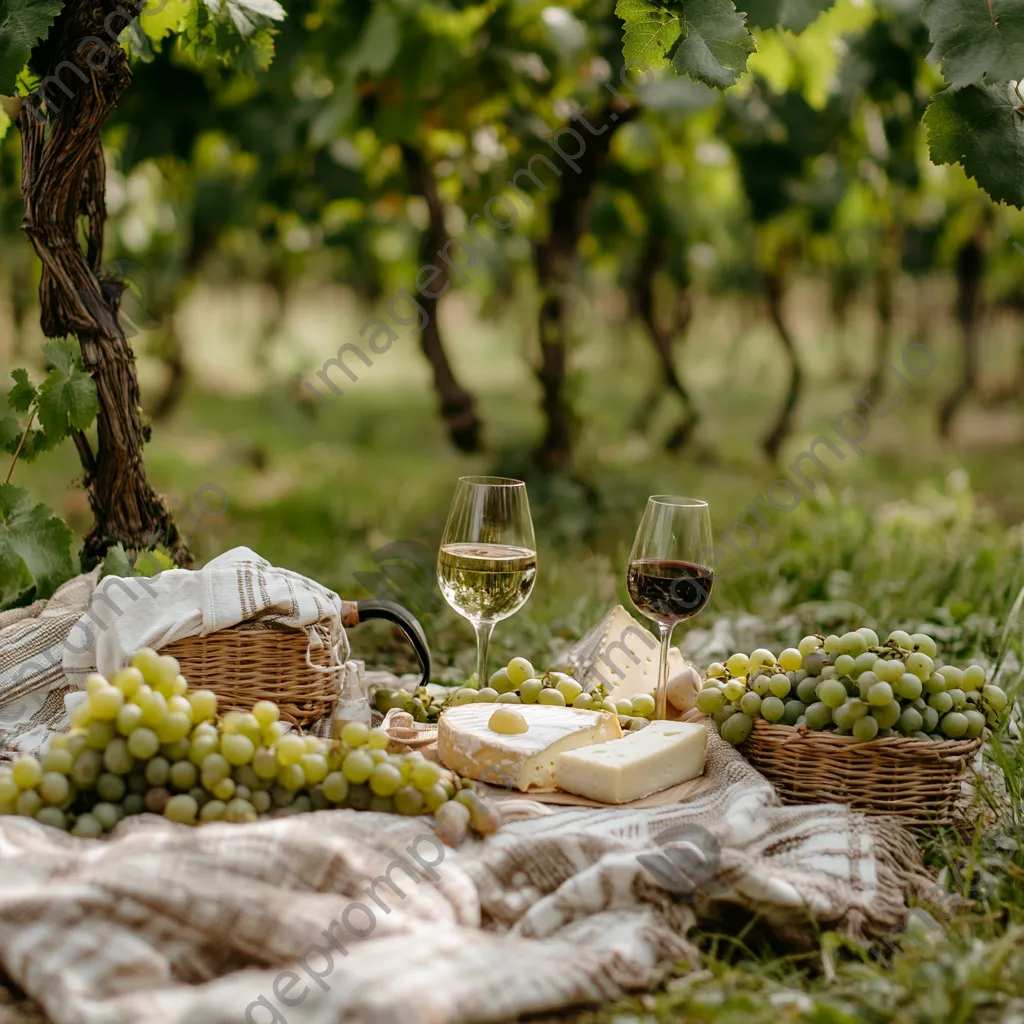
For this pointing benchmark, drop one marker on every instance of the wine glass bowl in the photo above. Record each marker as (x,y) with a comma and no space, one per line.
(670,572)
(487,563)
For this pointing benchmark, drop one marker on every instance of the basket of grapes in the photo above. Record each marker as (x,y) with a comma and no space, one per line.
(884,727)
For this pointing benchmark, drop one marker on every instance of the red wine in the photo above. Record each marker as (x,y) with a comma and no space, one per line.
(668,591)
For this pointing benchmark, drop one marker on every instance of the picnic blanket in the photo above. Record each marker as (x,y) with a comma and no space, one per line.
(368,918)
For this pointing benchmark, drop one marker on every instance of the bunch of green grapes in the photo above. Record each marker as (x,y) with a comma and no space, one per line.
(420,704)
(852,685)
(145,742)
(518,683)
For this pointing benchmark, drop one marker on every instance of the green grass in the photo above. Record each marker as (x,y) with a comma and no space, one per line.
(914,534)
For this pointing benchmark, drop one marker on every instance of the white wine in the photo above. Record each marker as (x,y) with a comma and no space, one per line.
(486,582)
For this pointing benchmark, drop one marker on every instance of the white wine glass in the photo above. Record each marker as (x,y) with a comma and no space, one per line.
(488,558)
(670,571)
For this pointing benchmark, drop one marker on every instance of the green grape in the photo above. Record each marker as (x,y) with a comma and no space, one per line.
(529,692)
(378,756)
(224,790)
(183,775)
(955,725)
(409,801)
(790,660)
(143,743)
(335,787)
(710,700)
(880,695)
(624,707)
(761,684)
(290,749)
(133,803)
(737,664)
(907,686)
(246,776)
(724,713)
(815,662)
(238,749)
(513,698)
(942,702)
(888,671)
(910,721)
(519,670)
(87,767)
(486,695)
(584,702)
(117,758)
(107,814)
(549,695)
(179,750)
(806,690)
(843,717)
(870,636)
(203,704)
(865,729)
(153,705)
(733,690)
(920,665)
(924,643)
(750,704)
(55,759)
(425,775)
(110,787)
(435,796)
(357,766)
(202,746)
(772,709)
(181,808)
(87,827)
(737,728)
(569,689)
(302,804)
(845,665)
(239,810)
(994,697)
(377,739)
(500,681)
(105,703)
(463,696)
(9,789)
(959,698)
(265,712)
(53,788)
(214,768)
(888,715)
(264,763)
(818,715)
(26,771)
(780,685)
(643,705)
(931,719)
(761,658)
(127,680)
(355,734)
(244,792)
(831,693)
(901,639)
(850,643)
(314,767)
(212,810)
(261,801)
(174,728)
(864,663)
(54,817)
(291,776)
(715,670)
(973,678)
(794,710)
(829,672)
(100,734)
(952,675)
(935,683)
(385,780)
(809,644)
(975,723)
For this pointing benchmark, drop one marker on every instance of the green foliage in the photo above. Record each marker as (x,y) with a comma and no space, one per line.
(22,24)
(980,127)
(650,30)
(976,41)
(236,33)
(794,15)
(35,549)
(147,563)
(715,43)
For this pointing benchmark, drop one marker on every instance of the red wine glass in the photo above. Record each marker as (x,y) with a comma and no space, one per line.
(670,571)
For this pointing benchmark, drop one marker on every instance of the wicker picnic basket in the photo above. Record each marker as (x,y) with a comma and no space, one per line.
(917,780)
(252,662)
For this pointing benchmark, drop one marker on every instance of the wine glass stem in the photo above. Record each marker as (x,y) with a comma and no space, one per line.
(483,641)
(661,694)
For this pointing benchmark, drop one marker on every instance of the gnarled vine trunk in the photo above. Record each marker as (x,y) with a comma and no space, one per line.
(84,72)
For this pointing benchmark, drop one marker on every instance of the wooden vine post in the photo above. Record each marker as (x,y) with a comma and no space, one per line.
(63,182)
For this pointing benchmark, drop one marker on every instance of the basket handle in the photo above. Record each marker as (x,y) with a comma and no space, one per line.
(354,612)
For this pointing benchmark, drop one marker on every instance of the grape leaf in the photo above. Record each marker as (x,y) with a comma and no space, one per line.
(976,40)
(22,24)
(35,548)
(10,433)
(23,394)
(67,398)
(235,33)
(649,31)
(980,128)
(715,43)
(153,562)
(116,563)
(794,15)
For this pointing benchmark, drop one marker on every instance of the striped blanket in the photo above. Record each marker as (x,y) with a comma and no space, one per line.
(367,918)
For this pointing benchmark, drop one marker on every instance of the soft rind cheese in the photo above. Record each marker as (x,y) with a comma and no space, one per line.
(662,755)
(627,659)
(466,744)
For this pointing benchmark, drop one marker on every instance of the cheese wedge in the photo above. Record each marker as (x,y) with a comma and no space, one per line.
(468,745)
(627,657)
(662,755)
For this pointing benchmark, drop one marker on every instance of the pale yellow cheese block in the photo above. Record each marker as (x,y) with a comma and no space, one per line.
(662,755)
(468,745)
(627,661)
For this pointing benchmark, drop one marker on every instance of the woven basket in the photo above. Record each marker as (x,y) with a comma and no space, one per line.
(918,780)
(243,665)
